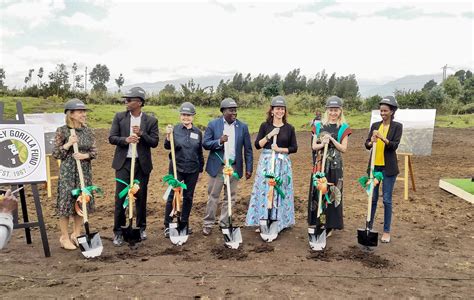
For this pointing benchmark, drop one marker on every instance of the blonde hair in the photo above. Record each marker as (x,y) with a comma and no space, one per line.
(340,120)
(70,121)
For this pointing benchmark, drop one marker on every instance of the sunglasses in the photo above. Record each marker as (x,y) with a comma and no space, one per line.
(127,100)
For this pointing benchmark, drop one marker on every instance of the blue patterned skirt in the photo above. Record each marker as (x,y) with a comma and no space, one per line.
(285,211)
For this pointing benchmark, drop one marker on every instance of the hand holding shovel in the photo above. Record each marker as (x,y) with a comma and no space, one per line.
(90,243)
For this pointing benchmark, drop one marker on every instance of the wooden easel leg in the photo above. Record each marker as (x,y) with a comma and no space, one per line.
(42,227)
(412,175)
(405,181)
(48,176)
(24,212)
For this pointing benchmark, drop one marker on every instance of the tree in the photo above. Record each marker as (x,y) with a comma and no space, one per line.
(429,85)
(294,83)
(238,82)
(452,86)
(99,76)
(73,75)
(119,81)
(468,92)
(436,97)
(78,82)
(30,75)
(461,75)
(346,87)
(40,75)
(372,103)
(332,83)
(59,80)
(169,88)
(273,86)
(2,78)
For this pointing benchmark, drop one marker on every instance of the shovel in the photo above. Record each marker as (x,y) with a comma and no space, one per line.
(269,227)
(130,234)
(367,237)
(232,235)
(178,232)
(89,243)
(317,234)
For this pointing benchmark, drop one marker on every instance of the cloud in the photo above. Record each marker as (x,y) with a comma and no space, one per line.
(315,7)
(82,20)
(343,15)
(468,14)
(226,6)
(410,13)
(33,13)
(8,33)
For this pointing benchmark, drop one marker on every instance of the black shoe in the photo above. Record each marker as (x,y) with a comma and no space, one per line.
(143,234)
(118,240)
(167,233)
(190,231)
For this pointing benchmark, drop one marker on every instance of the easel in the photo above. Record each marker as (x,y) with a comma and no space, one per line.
(408,171)
(34,186)
(48,173)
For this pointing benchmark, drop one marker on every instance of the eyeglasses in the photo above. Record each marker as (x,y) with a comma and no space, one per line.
(127,100)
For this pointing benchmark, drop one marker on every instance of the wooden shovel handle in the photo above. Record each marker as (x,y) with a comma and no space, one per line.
(75,148)
(272,170)
(371,179)
(323,165)
(132,178)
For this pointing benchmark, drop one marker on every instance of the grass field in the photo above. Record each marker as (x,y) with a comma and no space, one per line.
(463,183)
(101,116)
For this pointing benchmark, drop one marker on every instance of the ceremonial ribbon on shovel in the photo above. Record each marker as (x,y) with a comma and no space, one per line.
(321,183)
(128,190)
(276,182)
(84,194)
(368,183)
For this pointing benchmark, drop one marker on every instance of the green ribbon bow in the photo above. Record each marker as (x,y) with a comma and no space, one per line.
(278,182)
(87,190)
(173,182)
(231,161)
(125,190)
(365,179)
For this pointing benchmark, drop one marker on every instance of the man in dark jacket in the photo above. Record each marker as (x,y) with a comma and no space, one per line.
(225,132)
(132,126)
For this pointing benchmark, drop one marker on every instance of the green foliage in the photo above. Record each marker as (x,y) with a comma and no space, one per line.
(99,76)
(468,93)
(346,87)
(294,82)
(429,85)
(2,78)
(59,81)
(119,81)
(452,86)
(371,103)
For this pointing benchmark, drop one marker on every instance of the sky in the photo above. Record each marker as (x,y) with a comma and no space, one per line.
(150,41)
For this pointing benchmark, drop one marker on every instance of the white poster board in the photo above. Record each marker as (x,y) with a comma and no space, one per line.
(50,122)
(418,128)
(22,153)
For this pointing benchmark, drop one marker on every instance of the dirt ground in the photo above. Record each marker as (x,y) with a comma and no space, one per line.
(431,253)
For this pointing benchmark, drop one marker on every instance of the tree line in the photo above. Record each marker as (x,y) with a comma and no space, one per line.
(453,95)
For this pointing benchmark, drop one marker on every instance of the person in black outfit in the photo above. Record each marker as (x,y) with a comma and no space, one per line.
(189,161)
(132,126)
(385,136)
(275,125)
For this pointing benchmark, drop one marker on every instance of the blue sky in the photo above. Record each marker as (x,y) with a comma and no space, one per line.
(157,40)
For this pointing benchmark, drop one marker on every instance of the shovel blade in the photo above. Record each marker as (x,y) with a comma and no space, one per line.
(268,230)
(178,236)
(232,237)
(131,235)
(367,237)
(91,245)
(317,238)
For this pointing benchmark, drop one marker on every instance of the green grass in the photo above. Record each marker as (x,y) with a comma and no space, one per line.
(465,183)
(101,116)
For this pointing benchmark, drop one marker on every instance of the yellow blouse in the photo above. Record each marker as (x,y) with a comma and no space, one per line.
(380,146)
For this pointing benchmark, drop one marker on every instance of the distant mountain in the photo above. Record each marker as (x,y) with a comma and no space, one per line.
(410,82)
(155,87)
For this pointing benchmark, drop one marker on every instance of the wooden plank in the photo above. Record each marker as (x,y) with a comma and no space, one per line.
(456,191)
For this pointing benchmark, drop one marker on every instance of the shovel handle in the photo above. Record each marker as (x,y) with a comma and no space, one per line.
(371,180)
(227,182)
(177,196)
(75,148)
(272,170)
(132,178)
(323,165)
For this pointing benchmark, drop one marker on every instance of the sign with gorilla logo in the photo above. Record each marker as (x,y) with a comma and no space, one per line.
(22,154)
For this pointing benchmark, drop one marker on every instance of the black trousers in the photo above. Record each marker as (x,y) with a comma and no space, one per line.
(190,179)
(141,196)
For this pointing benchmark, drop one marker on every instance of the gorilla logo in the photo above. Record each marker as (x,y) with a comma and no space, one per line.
(12,157)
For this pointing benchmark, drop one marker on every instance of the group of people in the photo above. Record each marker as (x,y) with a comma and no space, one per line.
(227,139)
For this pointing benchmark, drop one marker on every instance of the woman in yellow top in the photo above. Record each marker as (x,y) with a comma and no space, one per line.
(385,136)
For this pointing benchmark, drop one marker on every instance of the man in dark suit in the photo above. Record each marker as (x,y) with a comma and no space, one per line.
(132,126)
(219,132)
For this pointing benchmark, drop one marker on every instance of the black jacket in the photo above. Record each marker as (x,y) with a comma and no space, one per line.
(394,135)
(120,130)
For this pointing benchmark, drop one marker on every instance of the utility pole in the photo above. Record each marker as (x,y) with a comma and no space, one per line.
(85,81)
(445,67)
